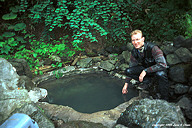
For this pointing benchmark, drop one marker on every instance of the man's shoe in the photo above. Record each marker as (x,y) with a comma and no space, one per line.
(143,86)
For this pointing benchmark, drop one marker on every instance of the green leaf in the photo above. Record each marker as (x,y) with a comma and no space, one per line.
(9,16)
(19,26)
(5,49)
(8,34)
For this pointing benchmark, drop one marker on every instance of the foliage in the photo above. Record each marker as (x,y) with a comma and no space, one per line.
(58,74)
(188,32)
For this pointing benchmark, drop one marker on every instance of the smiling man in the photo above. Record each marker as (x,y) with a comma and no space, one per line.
(146,61)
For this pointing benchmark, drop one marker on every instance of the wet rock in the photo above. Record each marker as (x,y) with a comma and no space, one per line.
(148,113)
(181,89)
(21,66)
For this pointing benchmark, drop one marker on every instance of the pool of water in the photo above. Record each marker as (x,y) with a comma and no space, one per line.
(87,93)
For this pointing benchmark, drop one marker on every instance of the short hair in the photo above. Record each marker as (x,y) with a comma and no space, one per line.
(136,32)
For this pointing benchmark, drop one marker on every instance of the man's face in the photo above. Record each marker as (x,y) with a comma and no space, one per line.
(137,40)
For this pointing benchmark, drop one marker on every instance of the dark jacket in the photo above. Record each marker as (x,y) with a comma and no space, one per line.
(147,60)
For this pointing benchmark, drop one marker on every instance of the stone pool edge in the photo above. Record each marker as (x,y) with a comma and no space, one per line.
(108,117)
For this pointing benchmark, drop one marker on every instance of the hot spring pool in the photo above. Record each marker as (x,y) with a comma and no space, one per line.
(87,93)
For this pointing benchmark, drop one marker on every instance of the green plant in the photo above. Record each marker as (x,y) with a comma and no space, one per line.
(58,74)
(188,24)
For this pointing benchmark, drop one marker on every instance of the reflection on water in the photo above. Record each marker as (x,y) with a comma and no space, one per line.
(87,93)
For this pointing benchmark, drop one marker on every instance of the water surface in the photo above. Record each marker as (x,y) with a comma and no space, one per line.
(87,93)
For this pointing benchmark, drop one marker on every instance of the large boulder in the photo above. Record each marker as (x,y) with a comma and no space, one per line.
(148,113)
(13,97)
(8,76)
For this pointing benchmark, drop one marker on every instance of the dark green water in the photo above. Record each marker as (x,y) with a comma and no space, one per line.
(87,93)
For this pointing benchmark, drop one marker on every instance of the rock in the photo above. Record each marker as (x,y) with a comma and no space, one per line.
(147,113)
(37,93)
(82,124)
(67,114)
(129,47)
(8,76)
(84,63)
(22,68)
(181,89)
(188,113)
(36,113)
(26,83)
(190,80)
(172,59)
(12,99)
(187,43)
(107,65)
(190,91)
(120,126)
(177,73)
(123,66)
(184,54)
(126,56)
(185,103)
(168,49)
(177,42)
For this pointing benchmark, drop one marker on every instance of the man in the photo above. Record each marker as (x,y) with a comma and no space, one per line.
(146,60)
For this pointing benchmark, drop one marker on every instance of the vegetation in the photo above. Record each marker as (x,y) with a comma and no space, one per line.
(39,29)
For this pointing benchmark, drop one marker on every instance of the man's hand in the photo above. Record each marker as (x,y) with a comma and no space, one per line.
(142,75)
(124,90)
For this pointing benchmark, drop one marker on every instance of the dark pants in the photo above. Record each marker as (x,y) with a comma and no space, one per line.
(163,84)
